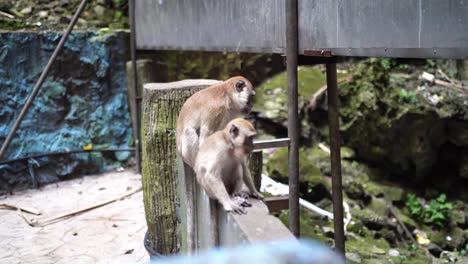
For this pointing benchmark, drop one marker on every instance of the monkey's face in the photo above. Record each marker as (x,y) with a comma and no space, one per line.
(242,137)
(243,94)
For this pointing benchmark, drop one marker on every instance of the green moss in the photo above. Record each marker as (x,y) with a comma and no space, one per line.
(379,206)
(103,34)
(311,225)
(271,100)
(277,166)
(12,24)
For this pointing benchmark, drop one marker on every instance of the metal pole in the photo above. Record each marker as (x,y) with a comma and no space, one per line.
(293,123)
(334,125)
(41,80)
(135,109)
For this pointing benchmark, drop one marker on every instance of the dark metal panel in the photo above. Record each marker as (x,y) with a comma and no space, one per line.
(444,23)
(212,25)
(358,24)
(389,28)
(377,23)
(317,24)
(443,53)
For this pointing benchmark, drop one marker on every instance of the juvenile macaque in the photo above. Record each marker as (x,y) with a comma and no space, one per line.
(209,110)
(221,165)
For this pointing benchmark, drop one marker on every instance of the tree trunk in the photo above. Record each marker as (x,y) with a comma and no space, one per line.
(161,105)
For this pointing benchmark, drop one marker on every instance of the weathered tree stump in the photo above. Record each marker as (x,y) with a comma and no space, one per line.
(161,106)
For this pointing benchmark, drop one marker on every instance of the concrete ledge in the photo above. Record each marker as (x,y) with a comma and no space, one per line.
(255,226)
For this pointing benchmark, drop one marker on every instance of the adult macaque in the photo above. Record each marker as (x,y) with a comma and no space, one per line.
(204,113)
(221,165)
(209,110)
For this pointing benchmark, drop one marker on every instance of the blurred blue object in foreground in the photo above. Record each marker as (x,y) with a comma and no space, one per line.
(275,252)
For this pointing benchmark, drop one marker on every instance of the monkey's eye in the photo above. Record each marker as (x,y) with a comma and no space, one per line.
(239,85)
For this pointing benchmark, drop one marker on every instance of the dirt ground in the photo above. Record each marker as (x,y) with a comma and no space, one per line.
(109,234)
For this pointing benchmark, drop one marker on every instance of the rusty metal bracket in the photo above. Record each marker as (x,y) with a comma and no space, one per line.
(277,203)
(318,53)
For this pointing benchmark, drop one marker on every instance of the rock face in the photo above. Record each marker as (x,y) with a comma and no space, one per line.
(393,134)
(391,123)
(83,101)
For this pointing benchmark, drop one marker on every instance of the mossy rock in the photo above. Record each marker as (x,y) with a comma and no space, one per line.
(458,132)
(392,125)
(271,100)
(369,218)
(448,240)
(311,225)
(408,221)
(313,185)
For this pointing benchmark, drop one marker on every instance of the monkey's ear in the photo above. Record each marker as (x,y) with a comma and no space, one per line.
(239,85)
(234,131)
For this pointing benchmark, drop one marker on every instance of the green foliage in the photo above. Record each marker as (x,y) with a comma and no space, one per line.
(407,96)
(402,259)
(414,205)
(436,212)
(12,24)
(387,63)
(463,251)
(178,65)
(411,247)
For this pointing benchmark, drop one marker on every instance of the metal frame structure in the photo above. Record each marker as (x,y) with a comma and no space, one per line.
(324,30)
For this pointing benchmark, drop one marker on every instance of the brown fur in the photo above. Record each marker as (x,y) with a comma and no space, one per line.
(209,109)
(221,164)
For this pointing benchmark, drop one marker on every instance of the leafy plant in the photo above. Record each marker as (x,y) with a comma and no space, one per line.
(402,258)
(463,251)
(414,205)
(411,247)
(436,212)
(407,96)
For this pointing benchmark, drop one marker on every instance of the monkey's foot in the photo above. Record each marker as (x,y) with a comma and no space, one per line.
(258,196)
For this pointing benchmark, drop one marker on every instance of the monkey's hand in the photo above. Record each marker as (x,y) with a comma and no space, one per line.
(235,207)
(242,198)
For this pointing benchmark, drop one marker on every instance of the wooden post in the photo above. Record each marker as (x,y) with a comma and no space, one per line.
(146,73)
(255,167)
(161,106)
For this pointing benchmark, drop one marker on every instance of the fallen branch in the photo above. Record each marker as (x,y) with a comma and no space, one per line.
(7,15)
(82,210)
(445,76)
(324,148)
(431,78)
(405,229)
(276,188)
(24,209)
(348,218)
(30,222)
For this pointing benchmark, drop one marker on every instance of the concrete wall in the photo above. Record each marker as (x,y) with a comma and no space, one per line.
(82,101)
(258,225)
